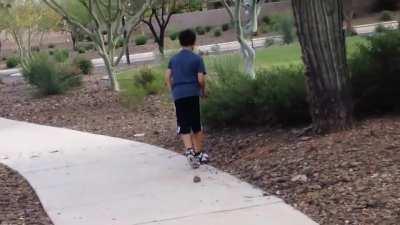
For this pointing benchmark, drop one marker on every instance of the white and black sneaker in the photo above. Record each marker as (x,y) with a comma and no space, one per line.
(202,157)
(194,161)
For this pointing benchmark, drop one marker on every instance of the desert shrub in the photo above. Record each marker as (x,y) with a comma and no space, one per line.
(217,33)
(138,84)
(149,80)
(141,40)
(174,35)
(266,20)
(35,49)
(375,70)
(12,62)
(276,95)
(51,46)
(81,50)
(285,26)
(207,28)
(87,46)
(225,27)
(264,28)
(200,30)
(386,16)
(269,42)
(120,43)
(49,76)
(85,65)
(380,29)
(61,55)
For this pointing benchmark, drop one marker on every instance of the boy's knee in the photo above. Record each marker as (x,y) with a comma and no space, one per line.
(183,130)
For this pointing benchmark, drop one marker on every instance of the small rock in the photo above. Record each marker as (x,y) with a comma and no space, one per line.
(301,178)
(55,151)
(196,179)
(139,135)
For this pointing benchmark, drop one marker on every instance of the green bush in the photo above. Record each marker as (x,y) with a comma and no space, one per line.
(137,85)
(225,27)
(120,43)
(35,49)
(87,46)
(12,62)
(141,40)
(51,46)
(380,29)
(149,81)
(266,20)
(81,50)
(200,30)
(217,33)
(375,70)
(276,95)
(264,28)
(386,16)
(285,26)
(61,55)
(85,65)
(174,35)
(50,77)
(207,28)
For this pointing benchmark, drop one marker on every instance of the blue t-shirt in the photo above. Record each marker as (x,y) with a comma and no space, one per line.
(185,67)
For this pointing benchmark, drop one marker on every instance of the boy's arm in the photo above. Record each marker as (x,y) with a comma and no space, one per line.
(202,82)
(168,80)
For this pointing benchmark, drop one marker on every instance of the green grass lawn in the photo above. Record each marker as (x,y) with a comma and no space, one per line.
(291,54)
(276,55)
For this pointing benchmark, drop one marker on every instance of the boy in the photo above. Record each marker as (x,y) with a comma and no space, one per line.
(185,78)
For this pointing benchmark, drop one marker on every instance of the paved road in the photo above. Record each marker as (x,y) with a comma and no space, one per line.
(86,179)
(149,57)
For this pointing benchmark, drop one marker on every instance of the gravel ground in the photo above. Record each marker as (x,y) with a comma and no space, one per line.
(350,177)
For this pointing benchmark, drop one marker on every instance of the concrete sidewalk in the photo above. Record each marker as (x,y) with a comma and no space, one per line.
(86,179)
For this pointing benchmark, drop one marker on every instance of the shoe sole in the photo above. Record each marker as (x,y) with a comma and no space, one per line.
(193,162)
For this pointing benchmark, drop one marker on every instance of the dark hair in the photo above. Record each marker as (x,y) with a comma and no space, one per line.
(187,38)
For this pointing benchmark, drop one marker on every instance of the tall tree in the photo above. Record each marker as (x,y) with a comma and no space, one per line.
(27,21)
(75,9)
(322,38)
(349,16)
(245,30)
(158,19)
(106,15)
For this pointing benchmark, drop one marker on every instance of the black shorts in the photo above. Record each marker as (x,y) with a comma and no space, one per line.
(188,115)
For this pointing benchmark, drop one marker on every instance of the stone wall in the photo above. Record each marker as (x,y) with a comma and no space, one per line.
(218,17)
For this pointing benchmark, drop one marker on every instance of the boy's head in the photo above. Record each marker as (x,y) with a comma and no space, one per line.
(187,38)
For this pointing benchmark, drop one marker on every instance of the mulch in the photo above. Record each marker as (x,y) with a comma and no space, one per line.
(19,204)
(350,177)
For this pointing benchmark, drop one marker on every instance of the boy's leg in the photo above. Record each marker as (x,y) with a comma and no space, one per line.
(187,141)
(183,111)
(198,139)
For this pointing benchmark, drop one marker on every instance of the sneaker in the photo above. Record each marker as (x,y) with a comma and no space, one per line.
(194,162)
(203,157)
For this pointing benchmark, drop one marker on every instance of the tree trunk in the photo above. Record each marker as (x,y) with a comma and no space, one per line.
(248,52)
(110,72)
(322,38)
(348,16)
(161,42)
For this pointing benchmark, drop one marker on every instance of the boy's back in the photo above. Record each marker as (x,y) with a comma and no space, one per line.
(185,67)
